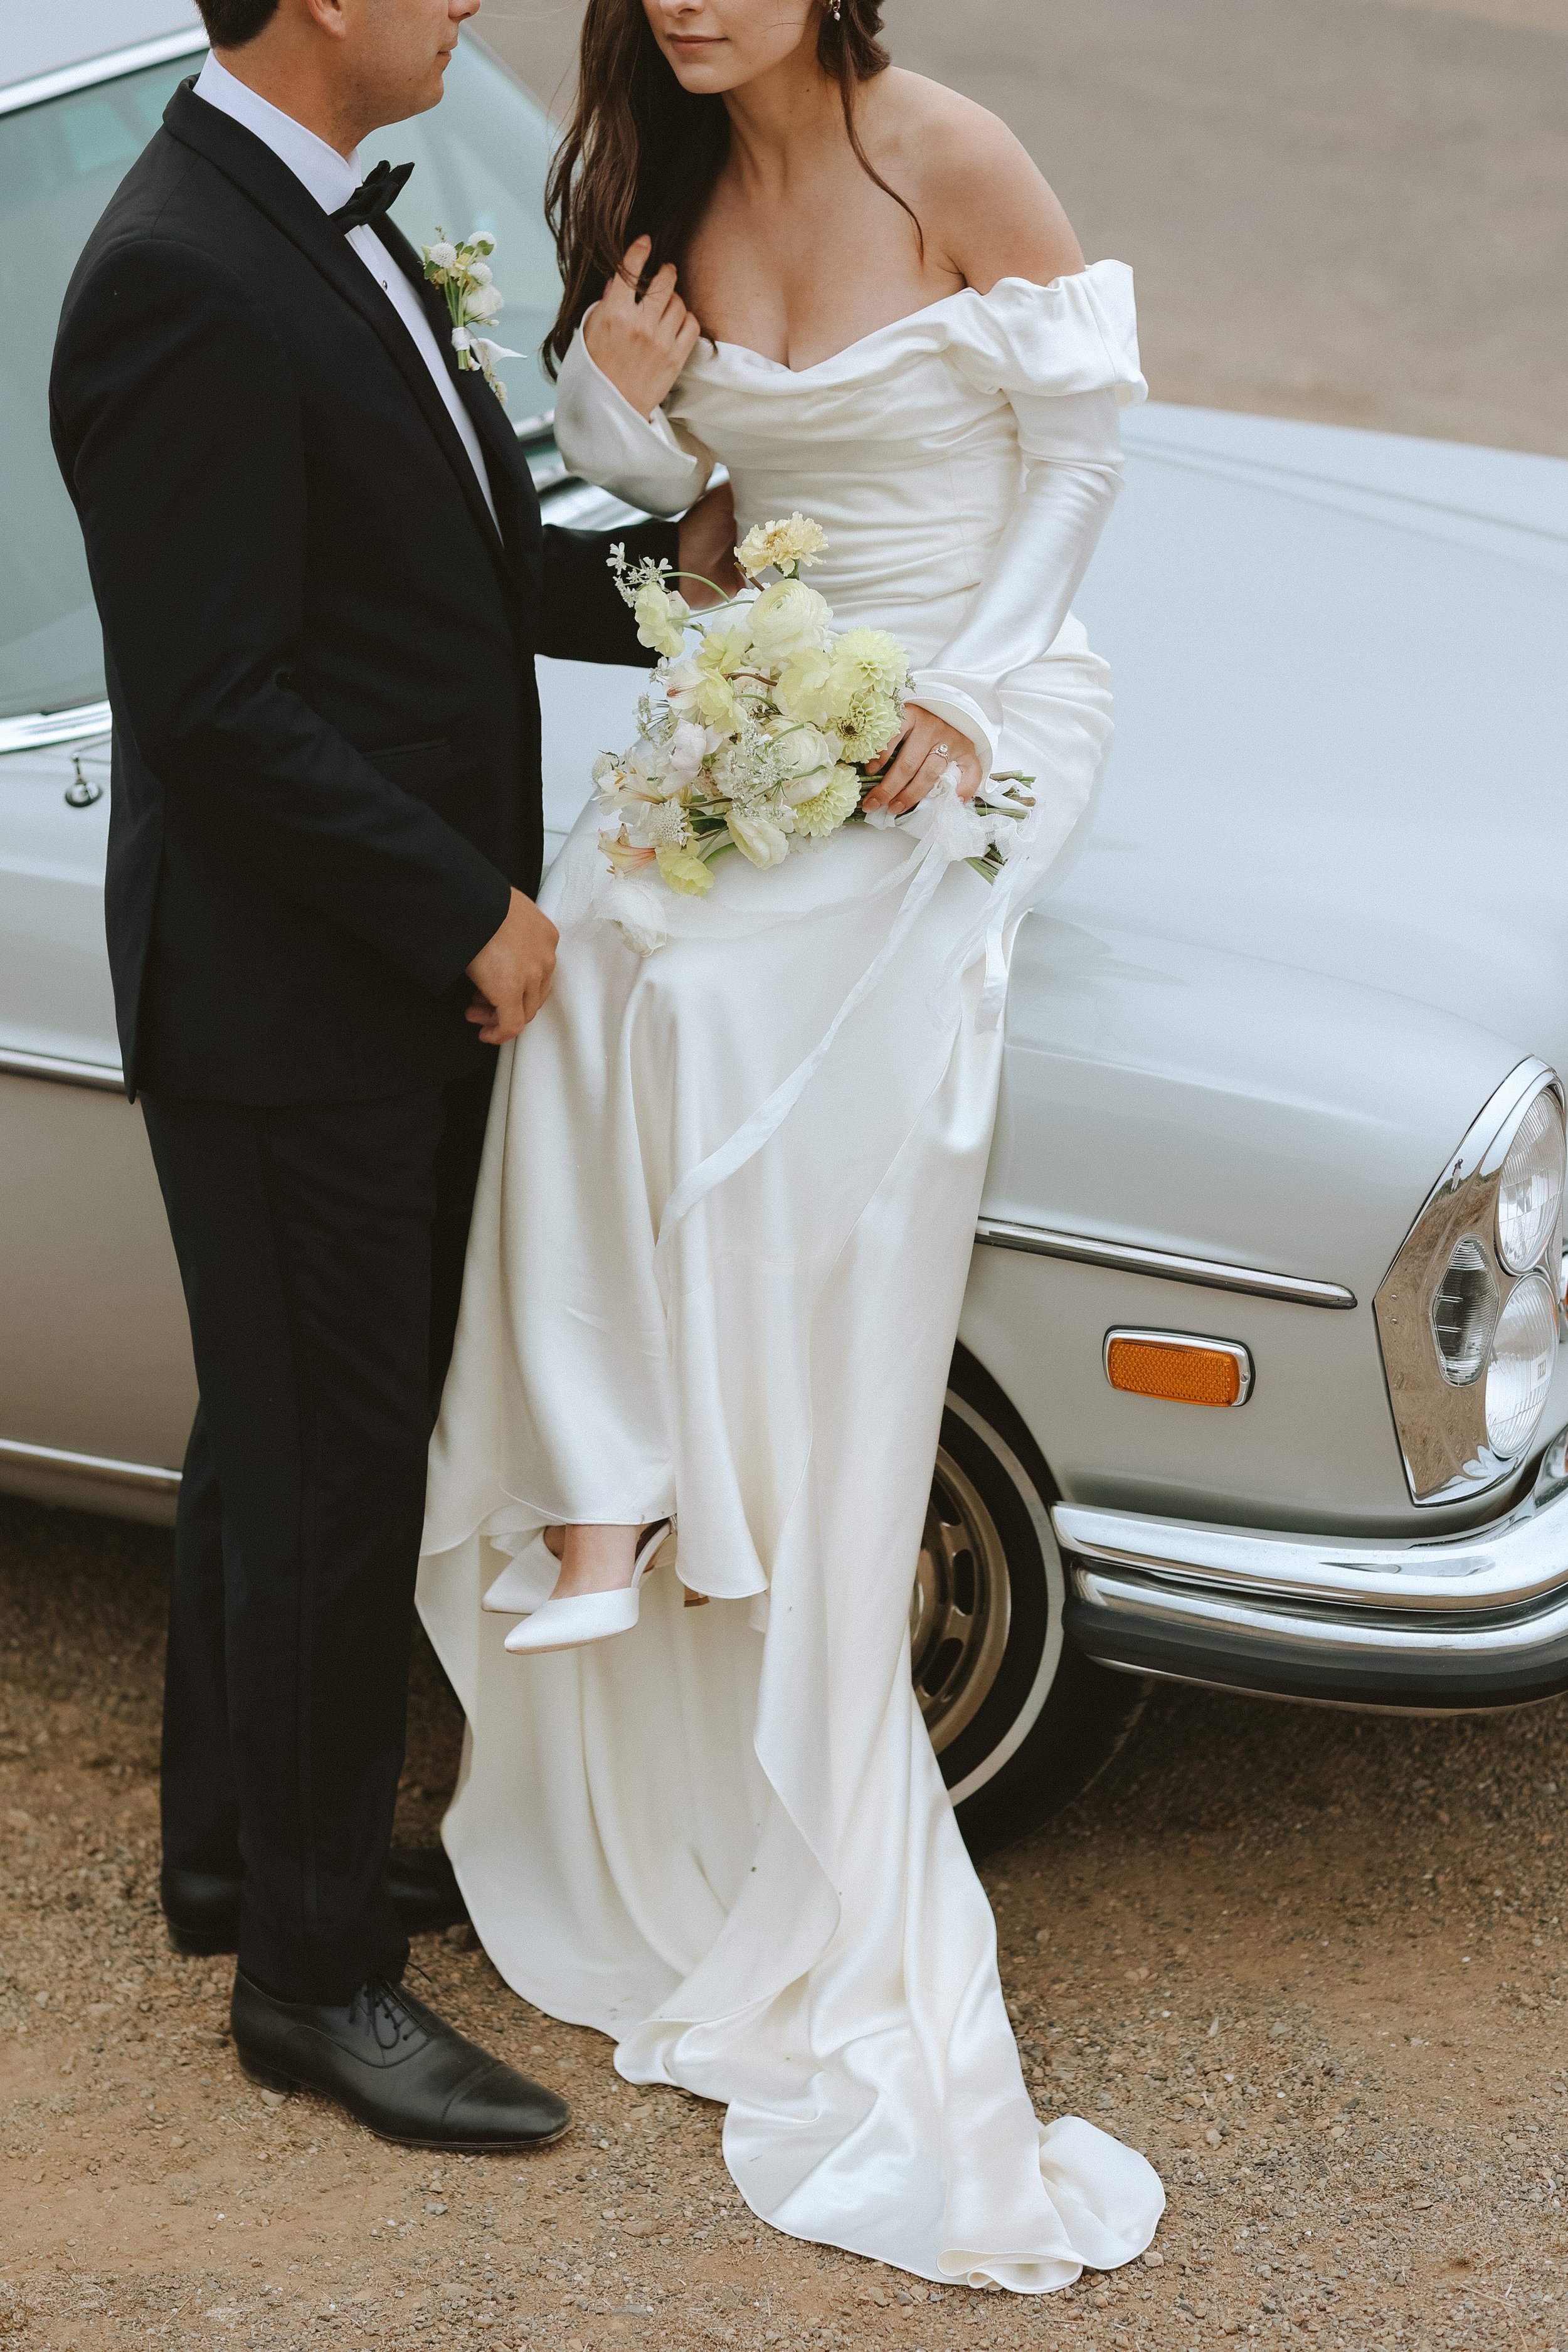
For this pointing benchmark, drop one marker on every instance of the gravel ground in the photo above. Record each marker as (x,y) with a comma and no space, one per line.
(1310,1961)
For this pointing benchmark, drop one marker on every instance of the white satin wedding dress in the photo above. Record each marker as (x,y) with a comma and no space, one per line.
(726,1209)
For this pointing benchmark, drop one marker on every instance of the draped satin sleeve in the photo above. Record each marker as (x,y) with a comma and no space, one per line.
(644,459)
(1064,356)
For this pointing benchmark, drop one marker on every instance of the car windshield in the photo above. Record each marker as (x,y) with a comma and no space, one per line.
(480,162)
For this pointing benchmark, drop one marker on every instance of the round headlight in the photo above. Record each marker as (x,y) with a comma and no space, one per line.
(1531,1193)
(1524,1350)
(1464,1311)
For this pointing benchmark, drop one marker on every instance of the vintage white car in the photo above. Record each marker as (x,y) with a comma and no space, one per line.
(1257,1381)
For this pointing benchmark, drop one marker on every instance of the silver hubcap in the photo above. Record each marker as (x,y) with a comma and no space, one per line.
(962,1606)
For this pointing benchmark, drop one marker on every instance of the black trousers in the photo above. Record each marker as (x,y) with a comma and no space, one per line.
(321,1251)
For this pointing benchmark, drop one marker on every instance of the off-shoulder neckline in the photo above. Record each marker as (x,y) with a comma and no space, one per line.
(960,294)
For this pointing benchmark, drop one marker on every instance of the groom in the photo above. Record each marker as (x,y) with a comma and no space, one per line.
(321,574)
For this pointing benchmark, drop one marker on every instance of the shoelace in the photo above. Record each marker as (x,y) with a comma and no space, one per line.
(385,2010)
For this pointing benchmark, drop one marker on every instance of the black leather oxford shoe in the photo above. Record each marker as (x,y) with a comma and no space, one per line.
(202,1912)
(396,2068)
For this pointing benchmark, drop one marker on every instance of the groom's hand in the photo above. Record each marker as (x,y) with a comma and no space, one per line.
(512,973)
(706,561)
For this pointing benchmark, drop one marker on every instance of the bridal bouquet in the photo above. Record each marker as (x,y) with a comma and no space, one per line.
(756,729)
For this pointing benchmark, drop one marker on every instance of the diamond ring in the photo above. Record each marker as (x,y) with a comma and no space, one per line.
(942,752)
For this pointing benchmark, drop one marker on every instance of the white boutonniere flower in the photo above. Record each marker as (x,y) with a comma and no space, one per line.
(464,275)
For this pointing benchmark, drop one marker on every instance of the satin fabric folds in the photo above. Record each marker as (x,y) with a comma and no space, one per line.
(718,1256)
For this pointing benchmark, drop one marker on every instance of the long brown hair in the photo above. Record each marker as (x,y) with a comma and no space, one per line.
(641,155)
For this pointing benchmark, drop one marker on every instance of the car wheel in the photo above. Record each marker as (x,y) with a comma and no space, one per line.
(1019,1720)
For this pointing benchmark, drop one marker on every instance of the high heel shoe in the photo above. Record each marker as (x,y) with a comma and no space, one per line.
(525,1583)
(578,1618)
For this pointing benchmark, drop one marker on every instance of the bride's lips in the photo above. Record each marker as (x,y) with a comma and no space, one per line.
(695,41)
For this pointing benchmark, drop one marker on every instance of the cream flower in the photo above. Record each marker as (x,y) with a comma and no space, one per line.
(684,871)
(758,838)
(873,657)
(659,617)
(624,856)
(787,619)
(869,725)
(688,747)
(832,807)
(799,540)
(635,909)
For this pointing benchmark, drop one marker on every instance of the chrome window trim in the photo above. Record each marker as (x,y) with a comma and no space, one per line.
(36,731)
(1441,1427)
(58,1069)
(149,1477)
(1166,1266)
(1241,1356)
(158,51)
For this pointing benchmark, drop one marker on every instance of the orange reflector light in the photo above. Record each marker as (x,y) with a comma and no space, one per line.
(1177,1371)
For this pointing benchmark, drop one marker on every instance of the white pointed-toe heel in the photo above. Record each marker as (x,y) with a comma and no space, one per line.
(579,1618)
(525,1583)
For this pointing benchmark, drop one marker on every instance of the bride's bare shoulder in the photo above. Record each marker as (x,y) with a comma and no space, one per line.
(983,203)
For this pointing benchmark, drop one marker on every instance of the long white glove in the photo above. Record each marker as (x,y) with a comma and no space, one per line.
(1071,447)
(603,437)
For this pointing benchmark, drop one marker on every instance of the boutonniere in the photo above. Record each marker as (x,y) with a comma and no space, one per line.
(463,274)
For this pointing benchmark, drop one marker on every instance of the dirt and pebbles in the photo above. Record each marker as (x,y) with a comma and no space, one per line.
(1311,1962)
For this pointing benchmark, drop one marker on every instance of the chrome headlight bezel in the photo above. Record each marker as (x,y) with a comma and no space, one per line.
(1441,1424)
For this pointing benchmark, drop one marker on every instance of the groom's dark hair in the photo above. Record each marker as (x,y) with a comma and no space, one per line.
(231,23)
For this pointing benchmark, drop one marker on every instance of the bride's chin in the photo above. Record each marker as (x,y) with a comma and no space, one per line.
(703,77)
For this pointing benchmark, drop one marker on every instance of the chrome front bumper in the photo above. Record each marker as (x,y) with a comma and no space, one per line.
(1473,1621)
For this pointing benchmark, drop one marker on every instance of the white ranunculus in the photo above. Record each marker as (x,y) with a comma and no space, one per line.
(636,909)
(759,839)
(788,619)
(805,760)
(485,305)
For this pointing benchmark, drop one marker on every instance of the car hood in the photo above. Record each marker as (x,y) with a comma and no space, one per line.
(1342,711)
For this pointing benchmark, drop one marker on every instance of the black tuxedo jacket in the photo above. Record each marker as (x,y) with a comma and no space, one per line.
(318,647)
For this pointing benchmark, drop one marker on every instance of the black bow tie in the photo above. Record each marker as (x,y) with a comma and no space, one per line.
(373,197)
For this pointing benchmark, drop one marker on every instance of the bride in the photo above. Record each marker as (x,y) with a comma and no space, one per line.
(729,1188)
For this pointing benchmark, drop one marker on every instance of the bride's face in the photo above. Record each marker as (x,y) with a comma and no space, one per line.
(717,45)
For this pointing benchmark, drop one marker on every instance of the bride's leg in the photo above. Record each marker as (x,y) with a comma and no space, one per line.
(592,1559)
(598,1560)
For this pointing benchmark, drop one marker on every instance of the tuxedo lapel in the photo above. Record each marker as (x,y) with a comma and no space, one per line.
(270,184)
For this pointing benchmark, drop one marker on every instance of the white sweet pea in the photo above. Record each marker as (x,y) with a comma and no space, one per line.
(688,747)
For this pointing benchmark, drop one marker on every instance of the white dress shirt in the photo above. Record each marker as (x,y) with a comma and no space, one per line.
(332,179)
